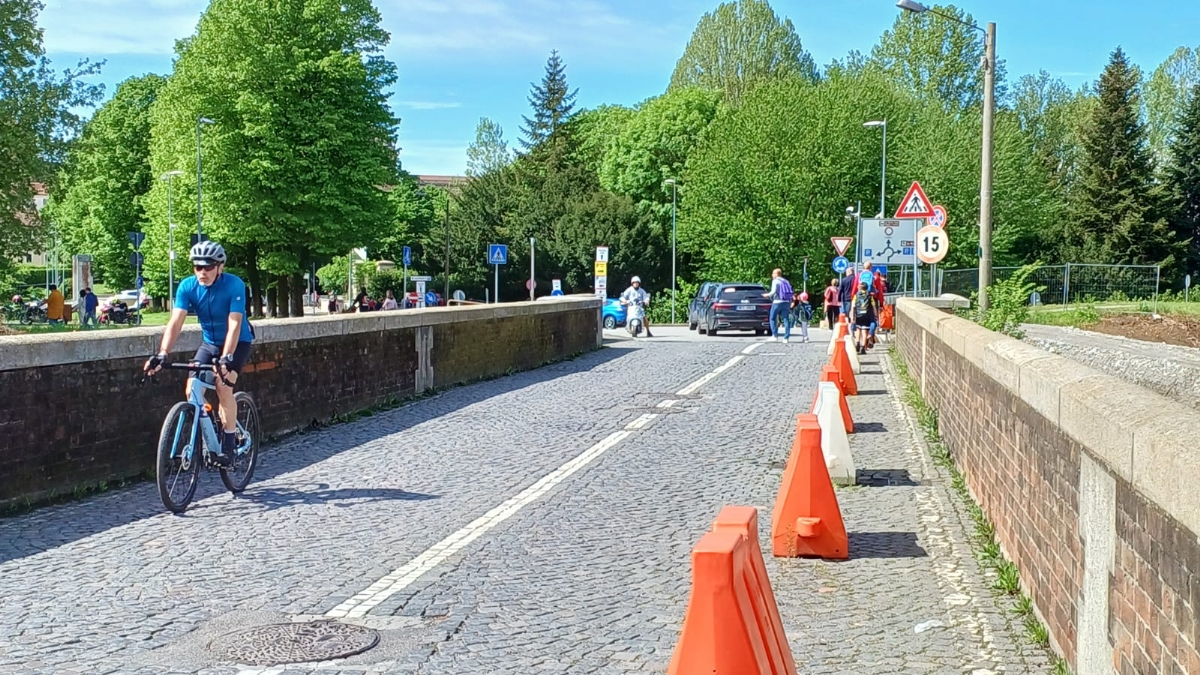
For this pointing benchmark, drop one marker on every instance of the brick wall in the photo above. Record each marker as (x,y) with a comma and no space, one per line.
(72,412)
(1056,455)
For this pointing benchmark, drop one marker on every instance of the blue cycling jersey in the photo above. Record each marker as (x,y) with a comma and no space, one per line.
(213,304)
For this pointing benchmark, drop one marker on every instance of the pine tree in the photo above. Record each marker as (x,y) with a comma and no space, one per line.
(1119,209)
(1183,180)
(552,101)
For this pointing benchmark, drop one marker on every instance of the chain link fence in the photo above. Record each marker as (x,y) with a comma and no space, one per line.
(1070,283)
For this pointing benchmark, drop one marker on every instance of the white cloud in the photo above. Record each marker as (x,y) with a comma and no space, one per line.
(108,27)
(428,105)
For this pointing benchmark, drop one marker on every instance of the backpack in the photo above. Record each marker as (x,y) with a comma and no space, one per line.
(785,290)
(864,304)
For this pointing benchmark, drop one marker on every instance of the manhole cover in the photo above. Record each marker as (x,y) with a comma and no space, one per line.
(294,643)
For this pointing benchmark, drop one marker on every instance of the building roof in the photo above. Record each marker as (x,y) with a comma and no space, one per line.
(441,181)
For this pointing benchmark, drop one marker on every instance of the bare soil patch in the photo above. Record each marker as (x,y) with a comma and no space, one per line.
(1174,330)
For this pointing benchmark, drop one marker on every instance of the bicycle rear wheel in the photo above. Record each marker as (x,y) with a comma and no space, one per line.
(178,458)
(238,476)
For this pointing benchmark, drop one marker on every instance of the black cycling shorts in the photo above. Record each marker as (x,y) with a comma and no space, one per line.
(210,353)
(864,320)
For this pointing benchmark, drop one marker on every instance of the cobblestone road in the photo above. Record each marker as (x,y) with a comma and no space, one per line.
(535,523)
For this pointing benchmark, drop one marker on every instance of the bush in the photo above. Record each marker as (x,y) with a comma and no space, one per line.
(660,303)
(380,283)
(1009,303)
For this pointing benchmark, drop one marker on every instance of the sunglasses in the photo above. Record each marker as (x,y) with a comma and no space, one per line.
(203,268)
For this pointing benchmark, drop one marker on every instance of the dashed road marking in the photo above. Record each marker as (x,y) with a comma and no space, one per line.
(751,348)
(641,421)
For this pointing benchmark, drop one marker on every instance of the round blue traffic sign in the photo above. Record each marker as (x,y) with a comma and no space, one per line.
(430,299)
(840,264)
(557,291)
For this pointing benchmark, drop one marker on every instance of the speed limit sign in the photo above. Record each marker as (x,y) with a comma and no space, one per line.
(932,244)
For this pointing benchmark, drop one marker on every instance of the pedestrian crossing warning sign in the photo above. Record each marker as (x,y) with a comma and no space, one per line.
(915,204)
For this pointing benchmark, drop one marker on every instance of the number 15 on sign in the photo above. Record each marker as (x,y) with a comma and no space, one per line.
(932,244)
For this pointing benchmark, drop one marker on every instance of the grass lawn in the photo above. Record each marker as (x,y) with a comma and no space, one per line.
(148,319)
(1084,315)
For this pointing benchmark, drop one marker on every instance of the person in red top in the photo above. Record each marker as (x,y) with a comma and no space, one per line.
(833,307)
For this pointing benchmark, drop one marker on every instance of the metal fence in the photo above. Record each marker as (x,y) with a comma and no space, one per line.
(1070,283)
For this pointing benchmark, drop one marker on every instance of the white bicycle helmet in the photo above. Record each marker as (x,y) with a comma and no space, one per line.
(635,280)
(208,252)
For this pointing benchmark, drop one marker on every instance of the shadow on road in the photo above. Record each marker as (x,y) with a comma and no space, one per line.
(262,499)
(58,525)
(882,545)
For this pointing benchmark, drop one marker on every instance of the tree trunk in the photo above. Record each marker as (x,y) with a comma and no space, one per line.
(281,301)
(255,279)
(273,300)
(298,290)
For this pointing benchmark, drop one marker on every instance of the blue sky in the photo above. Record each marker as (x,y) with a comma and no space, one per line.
(463,59)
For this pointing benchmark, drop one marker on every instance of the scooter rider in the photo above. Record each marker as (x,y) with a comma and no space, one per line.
(636,293)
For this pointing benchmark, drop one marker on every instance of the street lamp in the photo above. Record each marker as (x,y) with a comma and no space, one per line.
(883,180)
(985,183)
(169,177)
(199,174)
(673,184)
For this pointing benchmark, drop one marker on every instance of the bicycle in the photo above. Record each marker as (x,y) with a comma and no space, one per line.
(182,438)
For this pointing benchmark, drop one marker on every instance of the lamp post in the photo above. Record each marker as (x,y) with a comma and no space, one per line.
(674,187)
(169,177)
(883,172)
(989,105)
(199,175)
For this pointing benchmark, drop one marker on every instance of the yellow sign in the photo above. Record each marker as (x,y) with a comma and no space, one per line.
(601,269)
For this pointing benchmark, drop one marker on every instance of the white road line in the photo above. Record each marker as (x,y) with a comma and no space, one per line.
(751,348)
(641,421)
(404,576)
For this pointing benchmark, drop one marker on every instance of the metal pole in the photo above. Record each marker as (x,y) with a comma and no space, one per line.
(446,291)
(985,184)
(497,283)
(171,246)
(531,274)
(1157,278)
(883,180)
(673,290)
(199,181)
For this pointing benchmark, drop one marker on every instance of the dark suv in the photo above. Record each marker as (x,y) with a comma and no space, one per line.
(737,307)
(700,303)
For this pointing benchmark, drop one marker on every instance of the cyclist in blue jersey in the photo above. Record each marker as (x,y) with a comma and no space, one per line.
(218,299)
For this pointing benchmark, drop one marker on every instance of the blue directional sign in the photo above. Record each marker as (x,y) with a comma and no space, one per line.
(407,257)
(840,264)
(431,299)
(140,282)
(557,291)
(497,254)
(882,269)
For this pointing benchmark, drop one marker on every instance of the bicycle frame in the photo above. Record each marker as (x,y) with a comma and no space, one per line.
(202,427)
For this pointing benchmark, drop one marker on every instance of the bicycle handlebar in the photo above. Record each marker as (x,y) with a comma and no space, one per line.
(190,366)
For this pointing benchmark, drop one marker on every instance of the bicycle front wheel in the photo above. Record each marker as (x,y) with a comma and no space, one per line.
(178,458)
(238,476)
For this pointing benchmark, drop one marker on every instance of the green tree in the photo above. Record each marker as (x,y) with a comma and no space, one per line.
(1118,209)
(595,131)
(936,58)
(1167,95)
(37,120)
(1183,180)
(489,152)
(107,175)
(654,145)
(738,46)
(1054,118)
(552,101)
(303,142)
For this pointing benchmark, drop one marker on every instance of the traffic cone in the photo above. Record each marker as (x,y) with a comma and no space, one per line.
(744,521)
(852,354)
(835,444)
(839,332)
(720,633)
(806,520)
(841,361)
(830,374)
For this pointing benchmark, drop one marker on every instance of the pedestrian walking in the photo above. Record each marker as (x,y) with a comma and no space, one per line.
(54,305)
(846,289)
(389,302)
(802,314)
(90,302)
(833,307)
(781,297)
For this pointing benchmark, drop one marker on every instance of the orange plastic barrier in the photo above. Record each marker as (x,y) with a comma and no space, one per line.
(722,630)
(806,520)
(830,374)
(744,521)
(841,361)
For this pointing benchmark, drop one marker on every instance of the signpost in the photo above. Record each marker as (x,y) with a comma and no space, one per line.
(841,244)
(136,238)
(556,285)
(407,261)
(939,217)
(497,256)
(601,271)
(915,204)
(420,282)
(840,264)
(932,244)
